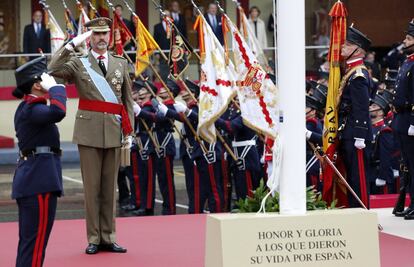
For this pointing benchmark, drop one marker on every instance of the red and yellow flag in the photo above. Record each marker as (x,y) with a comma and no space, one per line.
(101,7)
(146,47)
(338,16)
(120,35)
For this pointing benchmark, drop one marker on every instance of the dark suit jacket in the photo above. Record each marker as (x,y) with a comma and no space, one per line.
(218,30)
(182,27)
(31,43)
(160,36)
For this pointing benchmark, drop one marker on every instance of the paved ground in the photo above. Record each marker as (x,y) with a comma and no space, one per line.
(71,205)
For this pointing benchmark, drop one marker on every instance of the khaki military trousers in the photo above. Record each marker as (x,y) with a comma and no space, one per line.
(99,169)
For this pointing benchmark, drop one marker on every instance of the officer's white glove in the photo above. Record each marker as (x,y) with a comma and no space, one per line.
(79,39)
(411,130)
(359,143)
(128,142)
(180,107)
(308,134)
(47,81)
(380,182)
(137,109)
(162,109)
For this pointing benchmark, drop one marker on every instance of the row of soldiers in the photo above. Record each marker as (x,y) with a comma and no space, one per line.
(376,127)
(211,175)
(209,169)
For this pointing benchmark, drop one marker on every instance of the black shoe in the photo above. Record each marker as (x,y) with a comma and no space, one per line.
(114,247)
(404,212)
(143,212)
(91,249)
(409,215)
(129,207)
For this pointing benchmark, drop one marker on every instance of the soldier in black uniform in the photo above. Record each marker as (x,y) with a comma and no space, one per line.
(146,149)
(37,181)
(315,105)
(382,178)
(188,143)
(404,116)
(355,133)
(163,135)
(246,172)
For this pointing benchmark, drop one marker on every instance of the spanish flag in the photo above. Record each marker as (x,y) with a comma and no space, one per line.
(338,16)
(146,47)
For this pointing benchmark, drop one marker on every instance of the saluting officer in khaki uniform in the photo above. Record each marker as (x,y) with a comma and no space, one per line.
(103,123)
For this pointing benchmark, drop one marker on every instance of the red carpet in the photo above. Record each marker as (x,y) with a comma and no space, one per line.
(385,201)
(173,241)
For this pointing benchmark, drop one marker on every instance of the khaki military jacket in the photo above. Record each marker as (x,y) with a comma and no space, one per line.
(95,129)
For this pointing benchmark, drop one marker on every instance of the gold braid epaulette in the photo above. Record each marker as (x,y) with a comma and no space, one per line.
(345,79)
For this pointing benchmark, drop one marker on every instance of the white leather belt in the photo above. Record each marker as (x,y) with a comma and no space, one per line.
(244,143)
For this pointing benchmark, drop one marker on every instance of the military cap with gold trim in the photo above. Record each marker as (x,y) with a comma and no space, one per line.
(101,24)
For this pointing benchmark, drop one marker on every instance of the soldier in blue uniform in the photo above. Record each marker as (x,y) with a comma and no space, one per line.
(37,181)
(207,158)
(146,149)
(382,178)
(355,132)
(246,170)
(188,143)
(165,152)
(404,116)
(315,104)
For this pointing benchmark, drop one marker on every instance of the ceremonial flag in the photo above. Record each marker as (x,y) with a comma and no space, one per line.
(179,56)
(71,26)
(251,40)
(120,35)
(257,93)
(83,18)
(57,36)
(101,7)
(338,15)
(216,81)
(146,47)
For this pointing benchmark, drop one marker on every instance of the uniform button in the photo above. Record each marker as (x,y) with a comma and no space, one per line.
(80,116)
(356,121)
(365,122)
(105,113)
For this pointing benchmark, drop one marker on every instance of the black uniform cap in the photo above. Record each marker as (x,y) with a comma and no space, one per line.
(357,37)
(173,86)
(139,84)
(27,74)
(317,100)
(383,100)
(410,30)
(312,103)
(194,88)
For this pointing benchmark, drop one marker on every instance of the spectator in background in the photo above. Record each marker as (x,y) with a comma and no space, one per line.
(179,19)
(214,20)
(36,37)
(160,36)
(375,66)
(258,26)
(128,23)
